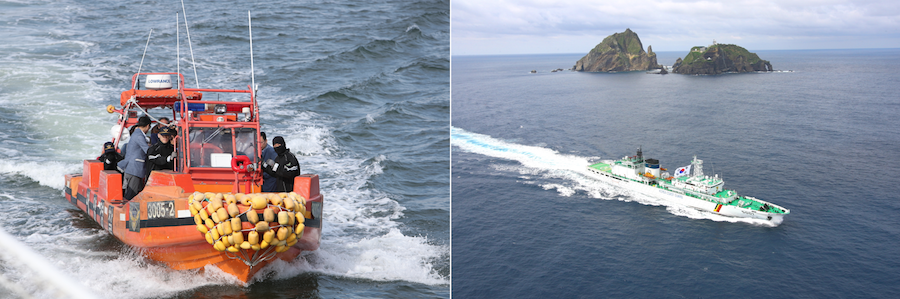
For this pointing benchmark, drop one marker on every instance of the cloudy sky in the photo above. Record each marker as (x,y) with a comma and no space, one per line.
(484,27)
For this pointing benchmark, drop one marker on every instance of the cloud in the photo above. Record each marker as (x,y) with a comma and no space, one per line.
(769,24)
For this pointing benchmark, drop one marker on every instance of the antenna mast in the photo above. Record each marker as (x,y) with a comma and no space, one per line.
(252,74)
(138,79)
(187,28)
(177,47)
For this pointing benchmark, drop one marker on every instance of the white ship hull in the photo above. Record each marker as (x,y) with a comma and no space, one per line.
(688,201)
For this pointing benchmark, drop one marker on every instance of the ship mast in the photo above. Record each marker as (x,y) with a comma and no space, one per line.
(697,167)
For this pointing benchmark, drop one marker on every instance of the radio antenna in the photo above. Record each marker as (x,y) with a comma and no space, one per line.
(177,48)
(138,79)
(252,74)
(187,28)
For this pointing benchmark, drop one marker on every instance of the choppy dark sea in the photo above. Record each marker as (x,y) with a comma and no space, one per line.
(821,138)
(359,90)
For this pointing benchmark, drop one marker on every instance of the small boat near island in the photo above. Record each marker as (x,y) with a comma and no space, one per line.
(688,187)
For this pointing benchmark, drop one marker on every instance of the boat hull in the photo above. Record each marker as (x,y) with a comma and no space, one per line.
(688,201)
(159,225)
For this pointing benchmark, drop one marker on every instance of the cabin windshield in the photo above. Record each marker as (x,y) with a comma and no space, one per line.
(214,147)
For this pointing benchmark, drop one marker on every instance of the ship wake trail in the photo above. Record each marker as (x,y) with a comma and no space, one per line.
(551,166)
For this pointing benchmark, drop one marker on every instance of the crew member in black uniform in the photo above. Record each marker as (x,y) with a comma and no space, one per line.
(110,157)
(284,168)
(162,154)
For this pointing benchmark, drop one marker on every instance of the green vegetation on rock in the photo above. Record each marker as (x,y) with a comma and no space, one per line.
(720,58)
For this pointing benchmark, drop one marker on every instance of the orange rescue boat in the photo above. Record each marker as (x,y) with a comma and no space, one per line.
(209,210)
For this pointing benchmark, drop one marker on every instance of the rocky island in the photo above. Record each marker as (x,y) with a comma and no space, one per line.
(620,52)
(720,58)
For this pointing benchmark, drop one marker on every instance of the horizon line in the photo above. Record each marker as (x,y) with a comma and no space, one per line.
(562,53)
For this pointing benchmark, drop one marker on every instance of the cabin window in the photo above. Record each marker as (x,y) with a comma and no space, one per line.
(215,147)
(210,147)
(245,143)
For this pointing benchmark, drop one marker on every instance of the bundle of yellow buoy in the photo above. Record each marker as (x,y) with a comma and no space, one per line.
(219,218)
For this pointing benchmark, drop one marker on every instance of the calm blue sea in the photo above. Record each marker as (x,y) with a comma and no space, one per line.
(821,138)
(359,90)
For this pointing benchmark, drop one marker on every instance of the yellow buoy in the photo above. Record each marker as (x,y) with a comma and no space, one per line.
(283,233)
(269,215)
(220,229)
(252,216)
(301,209)
(275,200)
(230,239)
(193,210)
(255,247)
(233,249)
(258,202)
(280,249)
(262,226)
(263,244)
(220,246)
(215,234)
(209,223)
(215,217)
(198,220)
(291,243)
(244,199)
(197,206)
(209,239)
(230,199)
(246,245)
(299,228)
(289,203)
(253,238)
(283,218)
(202,228)
(268,236)
(291,237)
(226,228)
(216,202)
(233,209)
(236,224)
(238,237)
(223,214)
(203,214)
(198,197)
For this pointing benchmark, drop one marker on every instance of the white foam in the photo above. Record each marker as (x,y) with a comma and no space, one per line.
(541,163)
(48,173)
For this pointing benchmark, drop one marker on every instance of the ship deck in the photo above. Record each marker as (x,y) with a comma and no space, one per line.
(602,167)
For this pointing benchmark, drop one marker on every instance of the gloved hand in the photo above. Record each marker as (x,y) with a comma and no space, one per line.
(270,162)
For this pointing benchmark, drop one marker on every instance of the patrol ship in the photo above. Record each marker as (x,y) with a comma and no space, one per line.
(688,187)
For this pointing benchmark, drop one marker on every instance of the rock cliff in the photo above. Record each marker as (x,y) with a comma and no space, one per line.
(620,52)
(720,58)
